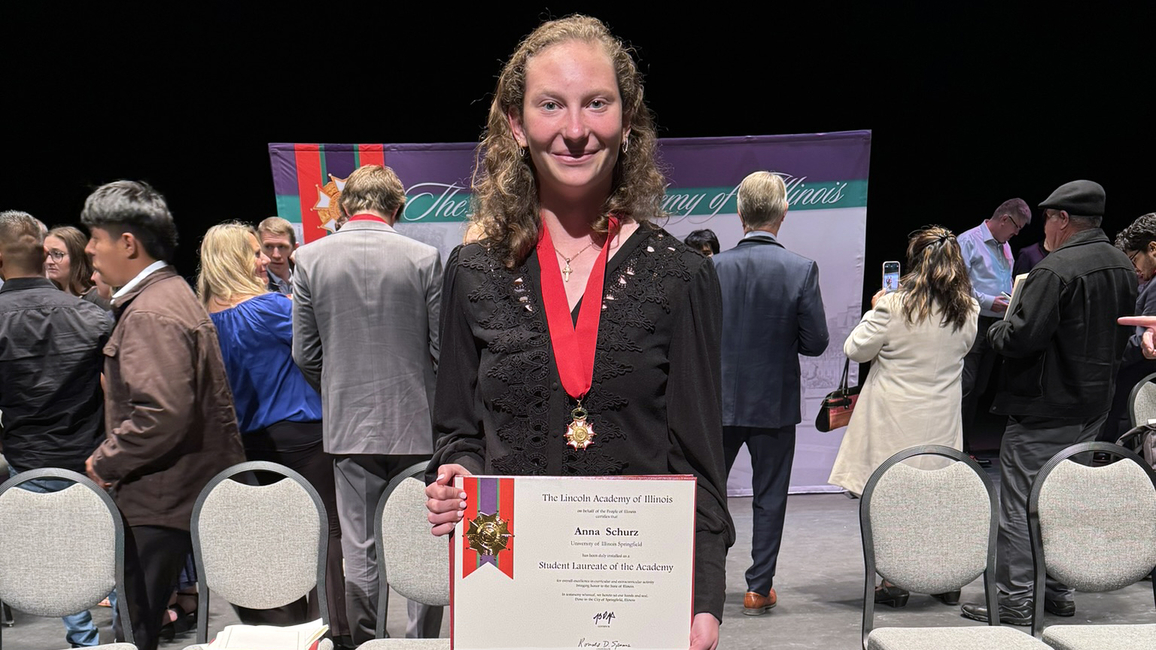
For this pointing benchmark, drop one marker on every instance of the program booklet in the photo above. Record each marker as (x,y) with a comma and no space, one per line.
(1015,294)
(305,636)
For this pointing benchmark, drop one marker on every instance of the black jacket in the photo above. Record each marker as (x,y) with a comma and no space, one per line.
(1061,343)
(50,359)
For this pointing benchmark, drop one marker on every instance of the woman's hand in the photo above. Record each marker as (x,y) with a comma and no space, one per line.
(878,294)
(1147,342)
(444,501)
(704,632)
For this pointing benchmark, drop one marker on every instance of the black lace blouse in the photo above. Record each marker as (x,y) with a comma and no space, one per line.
(655,397)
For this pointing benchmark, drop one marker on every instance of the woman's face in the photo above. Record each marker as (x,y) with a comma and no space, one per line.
(571,119)
(56,263)
(260,260)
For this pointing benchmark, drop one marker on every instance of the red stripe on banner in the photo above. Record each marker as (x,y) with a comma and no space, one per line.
(308,157)
(505,507)
(371,154)
(469,556)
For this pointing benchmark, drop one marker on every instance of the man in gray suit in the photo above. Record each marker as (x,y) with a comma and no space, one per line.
(772,313)
(365,333)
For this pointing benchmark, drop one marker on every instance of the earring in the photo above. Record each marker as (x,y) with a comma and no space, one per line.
(626,144)
(522,152)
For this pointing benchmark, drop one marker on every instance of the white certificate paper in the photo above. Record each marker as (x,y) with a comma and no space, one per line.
(590,562)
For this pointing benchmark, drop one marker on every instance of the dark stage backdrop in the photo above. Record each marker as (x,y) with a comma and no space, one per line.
(969,103)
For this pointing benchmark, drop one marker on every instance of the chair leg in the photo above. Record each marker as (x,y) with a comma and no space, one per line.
(6,616)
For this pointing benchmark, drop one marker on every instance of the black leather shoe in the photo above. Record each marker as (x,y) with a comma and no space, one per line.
(1011,615)
(1060,607)
(948,597)
(891,595)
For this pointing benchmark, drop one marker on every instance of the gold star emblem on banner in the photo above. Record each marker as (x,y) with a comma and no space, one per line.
(327,207)
(488,534)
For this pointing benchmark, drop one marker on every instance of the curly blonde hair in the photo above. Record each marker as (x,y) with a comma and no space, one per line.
(937,276)
(504,185)
(227,264)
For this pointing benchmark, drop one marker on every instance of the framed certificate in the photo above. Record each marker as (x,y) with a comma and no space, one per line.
(589,562)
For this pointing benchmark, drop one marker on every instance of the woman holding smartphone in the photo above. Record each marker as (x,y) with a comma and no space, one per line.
(916,339)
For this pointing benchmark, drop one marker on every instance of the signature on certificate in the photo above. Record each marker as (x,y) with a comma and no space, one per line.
(605,643)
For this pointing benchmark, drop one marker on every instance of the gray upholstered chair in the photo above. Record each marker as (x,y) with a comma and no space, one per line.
(932,531)
(1094,529)
(411,561)
(1142,401)
(46,568)
(5,611)
(259,547)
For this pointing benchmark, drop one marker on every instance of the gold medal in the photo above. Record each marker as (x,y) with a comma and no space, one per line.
(579,433)
(488,534)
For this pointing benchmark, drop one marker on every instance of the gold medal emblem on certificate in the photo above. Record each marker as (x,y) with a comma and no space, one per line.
(488,534)
(579,433)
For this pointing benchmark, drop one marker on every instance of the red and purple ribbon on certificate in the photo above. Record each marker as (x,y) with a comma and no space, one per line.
(489,524)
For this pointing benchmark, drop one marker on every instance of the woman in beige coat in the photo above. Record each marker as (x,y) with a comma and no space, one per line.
(916,339)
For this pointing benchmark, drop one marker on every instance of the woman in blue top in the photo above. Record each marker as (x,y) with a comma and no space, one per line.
(278,413)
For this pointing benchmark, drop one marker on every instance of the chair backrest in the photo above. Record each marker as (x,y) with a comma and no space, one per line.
(259,546)
(1142,401)
(411,561)
(48,567)
(928,530)
(1093,528)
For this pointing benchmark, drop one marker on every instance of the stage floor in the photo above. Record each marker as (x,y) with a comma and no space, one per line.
(819,582)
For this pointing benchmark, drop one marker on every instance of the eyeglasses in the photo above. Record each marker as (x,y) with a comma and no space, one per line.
(1014,223)
(57,255)
(1132,258)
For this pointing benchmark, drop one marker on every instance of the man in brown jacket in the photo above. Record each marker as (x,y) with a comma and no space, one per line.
(169,419)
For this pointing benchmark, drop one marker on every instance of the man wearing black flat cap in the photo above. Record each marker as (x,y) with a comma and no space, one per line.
(1061,348)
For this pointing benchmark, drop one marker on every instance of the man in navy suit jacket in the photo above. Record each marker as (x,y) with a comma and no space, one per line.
(772,313)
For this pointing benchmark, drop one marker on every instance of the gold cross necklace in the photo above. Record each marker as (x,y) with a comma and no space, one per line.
(566,270)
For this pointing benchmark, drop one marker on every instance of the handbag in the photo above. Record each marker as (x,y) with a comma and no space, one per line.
(1142,441)
(837,406)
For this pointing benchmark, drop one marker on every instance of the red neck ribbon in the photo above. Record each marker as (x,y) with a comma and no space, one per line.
(573,347)
(365,216)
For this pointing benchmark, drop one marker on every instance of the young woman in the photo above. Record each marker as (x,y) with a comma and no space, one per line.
(564,194)
(68,266)
(916,339)
(278,412)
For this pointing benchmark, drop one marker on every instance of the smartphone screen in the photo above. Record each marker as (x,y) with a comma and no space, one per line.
(890,276)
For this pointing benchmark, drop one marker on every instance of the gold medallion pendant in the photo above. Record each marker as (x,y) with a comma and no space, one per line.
(488,534)
(579,433)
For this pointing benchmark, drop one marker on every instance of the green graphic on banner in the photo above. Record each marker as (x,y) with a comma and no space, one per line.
(450,202)
(801,195)
(436,203)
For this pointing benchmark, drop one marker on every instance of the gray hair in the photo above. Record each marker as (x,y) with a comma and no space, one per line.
(1081,222)
(762,199)
(1013,207)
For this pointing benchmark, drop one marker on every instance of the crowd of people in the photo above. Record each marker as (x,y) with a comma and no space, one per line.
(570,335)
(1048,338)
